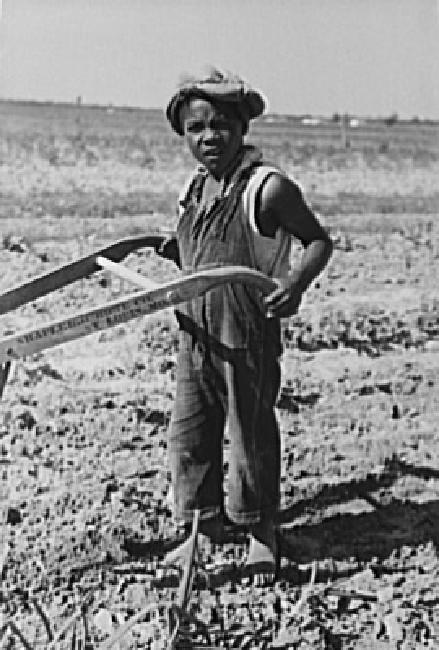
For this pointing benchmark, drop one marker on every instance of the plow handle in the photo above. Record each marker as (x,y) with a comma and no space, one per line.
(175,292)
(68,273)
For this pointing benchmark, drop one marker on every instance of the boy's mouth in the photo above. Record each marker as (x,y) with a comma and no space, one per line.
(212,153)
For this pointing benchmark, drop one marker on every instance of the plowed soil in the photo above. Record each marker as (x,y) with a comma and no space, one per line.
(85,487)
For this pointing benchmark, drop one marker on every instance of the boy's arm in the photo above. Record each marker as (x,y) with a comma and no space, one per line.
(281,205)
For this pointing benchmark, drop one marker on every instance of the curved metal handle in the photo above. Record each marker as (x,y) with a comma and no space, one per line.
(207,279)
(120,311)
(68,273)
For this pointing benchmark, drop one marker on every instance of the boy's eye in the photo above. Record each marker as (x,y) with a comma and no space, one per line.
(194,127)
(222,124)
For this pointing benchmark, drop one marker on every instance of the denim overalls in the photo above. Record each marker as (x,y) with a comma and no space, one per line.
(228,372)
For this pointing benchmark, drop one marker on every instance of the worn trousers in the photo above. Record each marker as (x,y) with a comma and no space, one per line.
(225,394)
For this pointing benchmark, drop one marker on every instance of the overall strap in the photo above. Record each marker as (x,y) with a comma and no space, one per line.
(192,190)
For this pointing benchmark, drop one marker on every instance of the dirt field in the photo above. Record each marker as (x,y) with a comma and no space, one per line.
(84,491)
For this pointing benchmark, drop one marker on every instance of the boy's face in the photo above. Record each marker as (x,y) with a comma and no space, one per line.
(213,132)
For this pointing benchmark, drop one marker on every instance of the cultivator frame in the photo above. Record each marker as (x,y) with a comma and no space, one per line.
(153,297)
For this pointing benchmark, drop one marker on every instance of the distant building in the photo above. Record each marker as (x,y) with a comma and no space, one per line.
(311,121)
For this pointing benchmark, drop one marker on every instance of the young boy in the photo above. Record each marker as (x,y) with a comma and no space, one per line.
(236,210)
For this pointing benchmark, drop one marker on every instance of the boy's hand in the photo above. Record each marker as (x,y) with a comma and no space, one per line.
(168,248)
(285,300)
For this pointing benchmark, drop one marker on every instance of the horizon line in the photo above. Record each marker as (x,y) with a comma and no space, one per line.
(129,107)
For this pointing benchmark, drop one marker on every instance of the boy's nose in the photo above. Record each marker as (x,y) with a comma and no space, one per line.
(210,134)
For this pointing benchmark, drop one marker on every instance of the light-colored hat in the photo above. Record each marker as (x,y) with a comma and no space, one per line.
(222,86)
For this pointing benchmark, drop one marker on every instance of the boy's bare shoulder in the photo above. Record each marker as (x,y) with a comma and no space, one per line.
(279,198)
(282,204)
(279,190)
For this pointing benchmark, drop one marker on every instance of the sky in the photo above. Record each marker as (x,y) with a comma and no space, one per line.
(363,57)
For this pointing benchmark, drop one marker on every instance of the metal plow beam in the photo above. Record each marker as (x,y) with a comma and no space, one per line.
(83,323)
(68,273)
